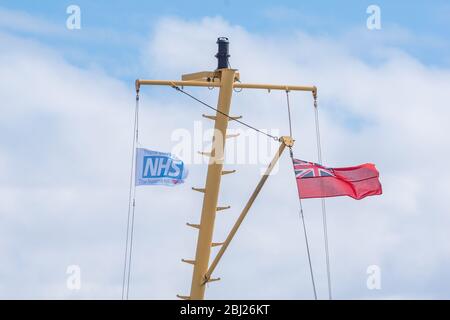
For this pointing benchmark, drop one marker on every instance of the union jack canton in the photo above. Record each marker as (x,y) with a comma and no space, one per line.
(304,169)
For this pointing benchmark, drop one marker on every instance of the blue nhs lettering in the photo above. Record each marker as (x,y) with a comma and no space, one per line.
(161,167)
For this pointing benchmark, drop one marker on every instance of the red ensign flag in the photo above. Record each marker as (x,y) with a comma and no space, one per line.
(316,181)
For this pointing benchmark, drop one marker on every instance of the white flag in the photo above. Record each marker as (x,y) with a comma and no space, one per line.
(158,168)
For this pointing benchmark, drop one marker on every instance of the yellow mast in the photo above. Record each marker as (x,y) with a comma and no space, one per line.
(225,79)
(212,185)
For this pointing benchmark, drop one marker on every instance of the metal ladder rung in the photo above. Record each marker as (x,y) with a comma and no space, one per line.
(234,135)
(216,244)
(230,118)
(204,153)
(188,261)
(224,172)
(199,189)
(209,117)
(211,280)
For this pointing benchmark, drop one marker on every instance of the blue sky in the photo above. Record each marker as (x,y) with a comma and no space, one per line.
(76,109)
(124,26)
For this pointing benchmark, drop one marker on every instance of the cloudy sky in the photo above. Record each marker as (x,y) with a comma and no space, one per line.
(67,103)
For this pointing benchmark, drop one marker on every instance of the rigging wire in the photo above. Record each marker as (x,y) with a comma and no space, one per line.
(302,217)
(132,190)
(131,207)
(134,199)
(289,112)
(301,214)
(324,209)
(224,114)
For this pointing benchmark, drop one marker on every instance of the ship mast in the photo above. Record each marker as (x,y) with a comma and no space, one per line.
(226,79)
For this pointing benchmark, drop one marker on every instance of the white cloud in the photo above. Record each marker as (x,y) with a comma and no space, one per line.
(65,155)
(20,21)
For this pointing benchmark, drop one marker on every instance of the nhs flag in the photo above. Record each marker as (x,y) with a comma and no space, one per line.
(158,168)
